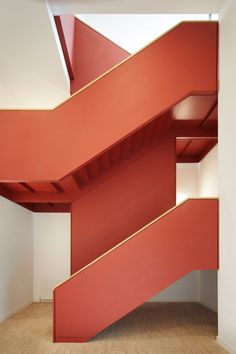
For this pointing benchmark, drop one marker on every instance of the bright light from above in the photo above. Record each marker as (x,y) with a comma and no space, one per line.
(180,197)
(133,32)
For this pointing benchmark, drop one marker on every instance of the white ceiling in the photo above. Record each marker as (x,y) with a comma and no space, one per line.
(135,6)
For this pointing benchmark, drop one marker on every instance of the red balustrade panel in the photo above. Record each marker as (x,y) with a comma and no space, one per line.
(182,240)
(93,55)
(88,54)
(143,190)
(47,145)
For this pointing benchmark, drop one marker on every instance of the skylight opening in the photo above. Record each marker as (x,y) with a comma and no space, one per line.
(134,31)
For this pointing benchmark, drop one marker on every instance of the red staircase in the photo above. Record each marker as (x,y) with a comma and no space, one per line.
(49,145)
(180,241)
(109,155)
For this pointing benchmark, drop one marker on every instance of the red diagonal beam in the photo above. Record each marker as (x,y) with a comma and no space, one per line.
(43,197)
(48,145)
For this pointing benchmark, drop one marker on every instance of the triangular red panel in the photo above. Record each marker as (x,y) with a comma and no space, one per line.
(88,54)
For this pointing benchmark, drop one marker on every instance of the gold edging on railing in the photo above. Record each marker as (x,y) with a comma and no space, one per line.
(106,72)
(131,236)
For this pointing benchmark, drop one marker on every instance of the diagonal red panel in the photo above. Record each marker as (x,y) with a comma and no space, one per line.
(129,199)
(180,241)
(88,54)
(48,145)
(93,55)
(194,107)
(66,28)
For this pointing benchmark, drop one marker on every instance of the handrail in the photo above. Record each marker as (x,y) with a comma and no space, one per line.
(106,72)
(131,237)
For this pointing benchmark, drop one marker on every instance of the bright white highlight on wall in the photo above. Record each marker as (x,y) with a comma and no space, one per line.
(180,197)
(16,258)
(51,252)
(186,181)
(133,32)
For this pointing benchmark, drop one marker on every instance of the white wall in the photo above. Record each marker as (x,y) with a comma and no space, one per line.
(208,174)
(184,290)
(16,257)
(187,175)
(227,178)
(208,289)
(208,187)
(51,252)
(135,6)
(33,72)
(34,255)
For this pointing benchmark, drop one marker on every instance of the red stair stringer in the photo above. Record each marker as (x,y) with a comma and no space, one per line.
(44,145)
(180,241)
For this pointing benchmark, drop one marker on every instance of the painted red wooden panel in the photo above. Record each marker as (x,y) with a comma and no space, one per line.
(88,54)
(15,187)
(193,150)
(214,114)
(66,31)
(181,145)
(51,208)
(127,201)
(93,55)
(194,107)
(42,186)
(196,146)
(70,184)
(184,240)
(47,145)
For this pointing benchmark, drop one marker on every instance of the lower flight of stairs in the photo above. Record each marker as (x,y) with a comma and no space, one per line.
(182,240)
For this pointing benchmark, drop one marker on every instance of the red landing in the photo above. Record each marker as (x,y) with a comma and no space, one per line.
(192,123)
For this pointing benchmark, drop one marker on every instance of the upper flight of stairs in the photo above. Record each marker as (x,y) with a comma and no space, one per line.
(119,127)
(49,145)
(180,241)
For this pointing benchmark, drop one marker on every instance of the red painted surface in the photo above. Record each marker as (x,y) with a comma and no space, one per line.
(127,201)
(47,145)
(66,31)
(48,207)
(184,240)
(193,150)
(194,107)
(194,143)
(88,54)
(93,55)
